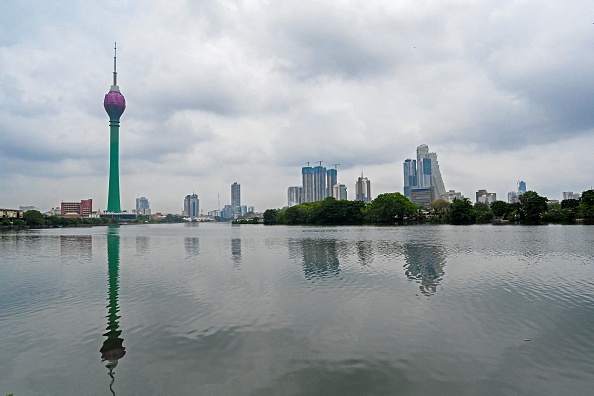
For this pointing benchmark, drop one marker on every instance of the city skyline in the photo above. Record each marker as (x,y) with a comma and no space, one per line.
(251,90)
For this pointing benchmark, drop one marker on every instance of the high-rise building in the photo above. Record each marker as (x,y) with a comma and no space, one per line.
(363,189)
(114,104)
(423,166)
(410,176)
(194,206)
(142,206)
(317,182)
(513,197)
(436,179)
(186,211)
(339,191)
(227,212)
(331,180)
(236,197)
(294,195)
(307,184)
(424,172)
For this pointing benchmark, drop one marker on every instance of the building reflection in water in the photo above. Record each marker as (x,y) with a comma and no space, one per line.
(236,252)
(192,246)
(142,245)
(320,259)
(365,252)
(76,246)
(113,349)
(424,263)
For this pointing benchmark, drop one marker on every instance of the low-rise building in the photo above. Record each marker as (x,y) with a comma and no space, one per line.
(423,196)
(12,213)
(83,208)
(571,195)
(485,197)
(451,195)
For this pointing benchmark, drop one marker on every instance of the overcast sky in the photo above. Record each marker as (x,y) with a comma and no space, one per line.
(249,91)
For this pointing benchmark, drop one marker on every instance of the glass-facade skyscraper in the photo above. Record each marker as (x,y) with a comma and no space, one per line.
(194,205)
(410,176)
(424,172)
(143,206)
(191,206)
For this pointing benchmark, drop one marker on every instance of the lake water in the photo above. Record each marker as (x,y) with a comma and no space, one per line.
(218,309)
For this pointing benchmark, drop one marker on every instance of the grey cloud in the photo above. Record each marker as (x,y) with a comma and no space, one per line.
(217,89)
(317,41)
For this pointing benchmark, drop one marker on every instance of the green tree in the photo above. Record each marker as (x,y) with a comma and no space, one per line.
(462,212)
(440,211)
(172,218)
(586,207)
(500,208)
(571,204)
(6,222)
(559,215)
(532,207)
(440,204)
(483,211)
(34,218)
(269,216)
(298,214)
(389,208)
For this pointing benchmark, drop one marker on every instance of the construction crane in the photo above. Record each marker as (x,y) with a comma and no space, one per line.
(335,166)
(320,162)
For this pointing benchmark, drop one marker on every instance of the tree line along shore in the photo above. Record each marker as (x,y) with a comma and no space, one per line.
(395,208)
(36,219)
(385,209)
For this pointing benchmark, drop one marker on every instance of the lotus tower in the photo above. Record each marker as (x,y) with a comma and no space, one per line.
(114,104)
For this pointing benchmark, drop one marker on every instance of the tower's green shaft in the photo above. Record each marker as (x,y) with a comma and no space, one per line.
(113,199)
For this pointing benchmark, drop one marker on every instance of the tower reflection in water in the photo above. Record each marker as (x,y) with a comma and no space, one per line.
(113,349)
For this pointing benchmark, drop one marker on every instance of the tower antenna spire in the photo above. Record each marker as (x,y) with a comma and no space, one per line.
(115,73)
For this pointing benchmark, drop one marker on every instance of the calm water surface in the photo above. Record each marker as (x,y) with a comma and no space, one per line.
(216,309)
